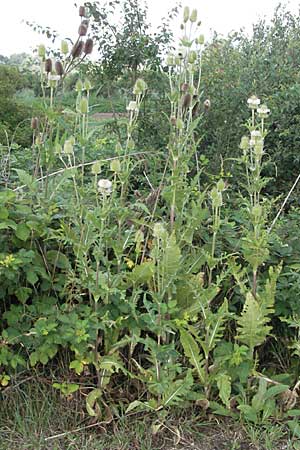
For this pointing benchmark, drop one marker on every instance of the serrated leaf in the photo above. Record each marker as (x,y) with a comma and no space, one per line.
(224,386)
(192,352)
(142,273)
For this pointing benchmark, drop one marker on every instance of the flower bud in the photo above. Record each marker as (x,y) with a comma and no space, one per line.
(57,149)
(78,86)
(170,60)
(82,30)
(88,47)
(132,106)
(48,65)
(42,51)
(139,87)
(81,11)
(244,145)
(194,14)
(201,39)
(34,123)
(64,47)
(221,185)
(68,147)
(263,111)
(186,14)
(192,57)
(115,166)
(87,85)
(179,124)
(59,68)
(84,105)
(77,49)
(96,168)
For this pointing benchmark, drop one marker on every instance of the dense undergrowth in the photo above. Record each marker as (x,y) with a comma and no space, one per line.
(134,278)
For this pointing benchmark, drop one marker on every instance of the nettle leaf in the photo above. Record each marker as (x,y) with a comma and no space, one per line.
(224,386)
(192,352)
(24,177)
(92,407)
(22,231)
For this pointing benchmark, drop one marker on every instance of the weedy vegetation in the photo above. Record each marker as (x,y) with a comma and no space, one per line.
(145,286)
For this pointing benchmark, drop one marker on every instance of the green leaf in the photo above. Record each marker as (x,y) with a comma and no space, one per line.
(22,231)
(224,386)
(24,177)
(178,390)
(91,406)
(57,259)
(171,258)
(3,213)
(142,273)
(192,352)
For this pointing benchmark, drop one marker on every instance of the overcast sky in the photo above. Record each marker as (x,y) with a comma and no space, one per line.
(220,15)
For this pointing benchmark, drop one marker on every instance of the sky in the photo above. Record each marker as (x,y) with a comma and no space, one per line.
(222,16)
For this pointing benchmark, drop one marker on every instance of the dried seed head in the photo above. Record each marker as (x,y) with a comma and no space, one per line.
(186,101)
(42,51)
(173,121)
(184,87)
(77,49)
(81,11)
(88,47)
(64,47)
(34,123)
(59,68)
(48,65)
(82,30)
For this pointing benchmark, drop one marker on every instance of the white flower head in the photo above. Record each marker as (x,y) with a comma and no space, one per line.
(105,186)
(263,111)
(132,106)
(253,102)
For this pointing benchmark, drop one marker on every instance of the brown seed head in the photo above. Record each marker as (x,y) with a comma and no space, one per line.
(88,46)
(82,30)
(186,101)
(77,49)
(59,68)
(184,87)
(48,65)
(34,123)
(81,11)
(173,120)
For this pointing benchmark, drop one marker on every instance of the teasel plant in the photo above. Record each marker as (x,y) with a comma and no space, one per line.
(184,78)
(255,243)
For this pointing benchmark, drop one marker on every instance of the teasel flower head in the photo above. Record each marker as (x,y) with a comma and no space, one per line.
(139,87)
(132,107)
(81,11)
(84,105)
(186,14)
(82,30)
(263,111)
(48,65)
(192,57)
(193,16)
(87,85)
(105,187)
(207,104)
(184,87)
(170,60)
(42,51)
(64,47)
(68,147)
(253,102)
(59,68)
(186,101)
(34,123)
(79,86)
(88,46)
(77,49)
(53,80)
(244,145)
(201,39)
